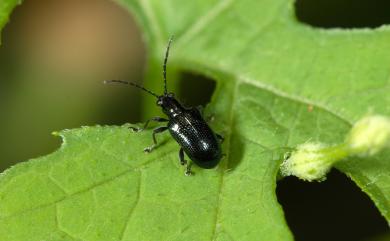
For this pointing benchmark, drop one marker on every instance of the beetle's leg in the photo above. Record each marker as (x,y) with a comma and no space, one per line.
(155,131)
(220,138)
(188,169)
(157,119)
(184,162)
(181,157)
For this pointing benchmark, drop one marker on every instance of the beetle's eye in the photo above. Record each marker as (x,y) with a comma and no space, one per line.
(171,94)
(159,102)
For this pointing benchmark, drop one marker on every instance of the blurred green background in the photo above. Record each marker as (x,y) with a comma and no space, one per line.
(55,55)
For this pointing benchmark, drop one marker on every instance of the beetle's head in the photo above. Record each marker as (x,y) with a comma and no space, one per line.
(163,100)
(169,104)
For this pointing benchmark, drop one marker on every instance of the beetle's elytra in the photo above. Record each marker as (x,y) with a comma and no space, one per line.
(186,125)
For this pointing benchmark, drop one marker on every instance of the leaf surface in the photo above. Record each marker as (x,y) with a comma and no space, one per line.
(260,43)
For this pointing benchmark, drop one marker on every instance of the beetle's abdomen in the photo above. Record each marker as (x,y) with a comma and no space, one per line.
(197,139)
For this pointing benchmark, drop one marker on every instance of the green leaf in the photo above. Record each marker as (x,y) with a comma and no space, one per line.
(6,7)
(279,84)
(343,73)
(100,186)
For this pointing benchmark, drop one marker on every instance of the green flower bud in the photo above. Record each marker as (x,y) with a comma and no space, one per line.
(311,161)
(369,135)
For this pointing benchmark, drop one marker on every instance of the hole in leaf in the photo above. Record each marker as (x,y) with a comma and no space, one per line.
(343,13)
(194,90)
(335,209)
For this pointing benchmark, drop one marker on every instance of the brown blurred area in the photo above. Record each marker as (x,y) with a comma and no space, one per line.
(53,59)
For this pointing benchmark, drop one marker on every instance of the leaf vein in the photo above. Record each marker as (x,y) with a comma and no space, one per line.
(221,182)
(205,19)
(156,28)
(131,211)
(84,190)
(302,100)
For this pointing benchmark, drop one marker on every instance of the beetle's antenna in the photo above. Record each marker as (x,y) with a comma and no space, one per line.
(165,65)
(130,83)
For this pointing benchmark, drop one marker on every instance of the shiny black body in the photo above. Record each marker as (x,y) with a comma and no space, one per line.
(186,125)
(192,133)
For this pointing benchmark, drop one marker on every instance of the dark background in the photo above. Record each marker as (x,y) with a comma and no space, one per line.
(55,55)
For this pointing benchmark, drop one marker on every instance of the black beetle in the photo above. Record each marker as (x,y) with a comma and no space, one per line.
(186,125)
